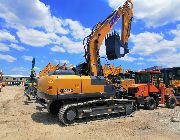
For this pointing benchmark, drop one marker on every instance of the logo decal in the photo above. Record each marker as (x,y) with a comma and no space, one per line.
(66,90)
(114,19)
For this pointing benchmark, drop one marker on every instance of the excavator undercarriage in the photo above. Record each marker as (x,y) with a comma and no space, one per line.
(92,110)
(77,106)
(89,109)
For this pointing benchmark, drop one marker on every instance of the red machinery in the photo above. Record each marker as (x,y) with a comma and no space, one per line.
(150,90)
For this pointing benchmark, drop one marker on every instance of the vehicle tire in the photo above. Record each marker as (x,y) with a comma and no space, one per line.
(138,106)
(170,102)
(157,102)
(150,103)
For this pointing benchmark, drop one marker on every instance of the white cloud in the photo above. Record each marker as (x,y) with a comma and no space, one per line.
(64,61)
(141,58)
(148,43)
(6,36)
(17,47)
(35,14)
(61,61)
(20,71)
(27,58)
(7,58)
(56,25)
(71,46)
(140,63)
(115,3)
(176,40)
(169,59)
(58,49)
(102,51)
(153,47)
(4,48)
(77,30)
(153,13)
(36,38)
(128,58)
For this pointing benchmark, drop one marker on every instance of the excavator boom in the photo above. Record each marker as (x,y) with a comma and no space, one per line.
(96,38)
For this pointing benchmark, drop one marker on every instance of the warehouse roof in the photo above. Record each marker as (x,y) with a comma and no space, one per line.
(16,76)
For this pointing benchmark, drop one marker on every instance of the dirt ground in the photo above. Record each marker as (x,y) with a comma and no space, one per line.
(20,119)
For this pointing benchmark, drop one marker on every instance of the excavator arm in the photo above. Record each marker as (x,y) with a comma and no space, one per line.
(96,38)
(49,68)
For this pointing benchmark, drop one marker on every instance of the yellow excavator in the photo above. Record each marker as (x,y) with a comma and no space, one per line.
(119,77)
(49,68)
(83,93)
(111,70)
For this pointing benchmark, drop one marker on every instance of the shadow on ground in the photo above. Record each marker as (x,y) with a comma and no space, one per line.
(159,107)
(28,102)
(45,118)
(40,106)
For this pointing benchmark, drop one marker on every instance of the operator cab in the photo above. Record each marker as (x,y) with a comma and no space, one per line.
(171,77)
(146,84)
(148,77)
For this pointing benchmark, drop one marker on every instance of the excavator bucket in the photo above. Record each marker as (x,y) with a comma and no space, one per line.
(114,47)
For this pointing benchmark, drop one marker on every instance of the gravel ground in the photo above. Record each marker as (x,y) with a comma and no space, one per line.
(20,119)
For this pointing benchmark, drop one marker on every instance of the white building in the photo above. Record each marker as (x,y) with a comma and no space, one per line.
(14,79)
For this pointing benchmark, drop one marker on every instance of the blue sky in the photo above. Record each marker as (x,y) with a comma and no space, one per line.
(53,30)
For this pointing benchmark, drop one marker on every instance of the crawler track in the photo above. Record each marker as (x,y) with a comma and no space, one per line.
(75,113)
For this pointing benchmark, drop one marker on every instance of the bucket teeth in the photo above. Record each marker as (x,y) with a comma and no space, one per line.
(114,46)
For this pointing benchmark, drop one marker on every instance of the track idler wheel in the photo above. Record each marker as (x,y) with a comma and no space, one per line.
(67,115)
